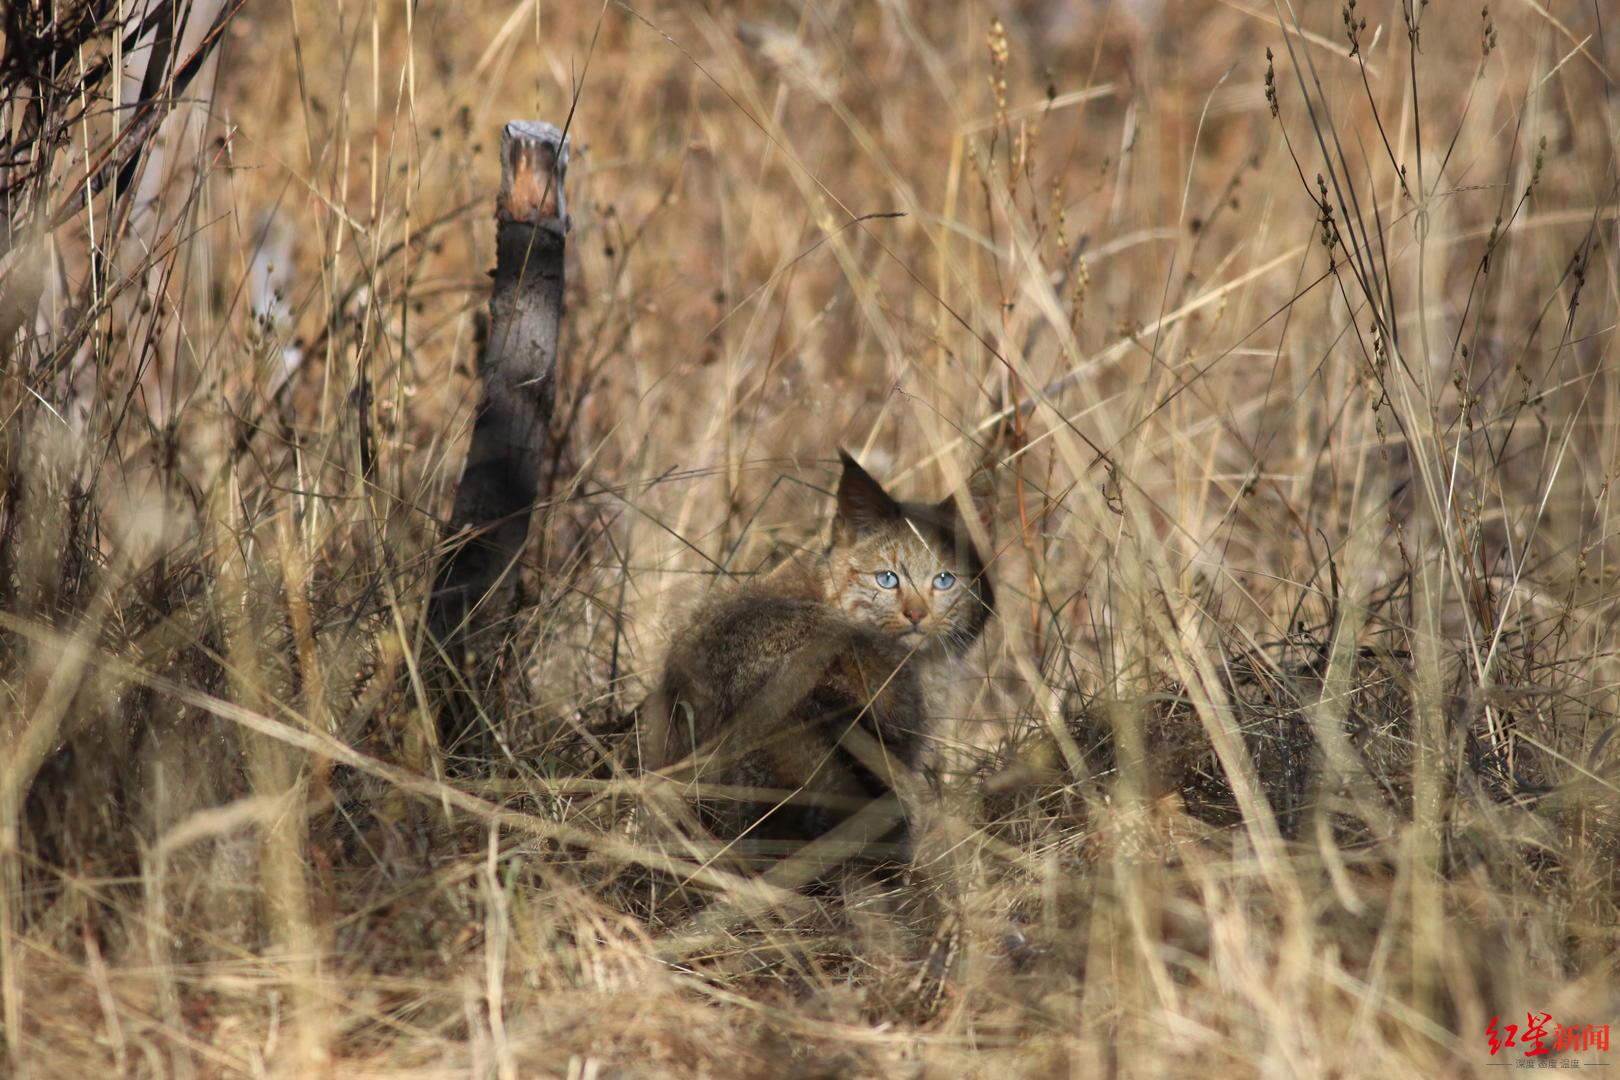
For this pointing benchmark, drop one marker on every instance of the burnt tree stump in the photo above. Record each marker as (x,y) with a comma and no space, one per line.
(475,584)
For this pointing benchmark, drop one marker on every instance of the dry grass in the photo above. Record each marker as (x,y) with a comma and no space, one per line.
(1288,754)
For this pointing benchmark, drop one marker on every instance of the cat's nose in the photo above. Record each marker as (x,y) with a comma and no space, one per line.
(914,612)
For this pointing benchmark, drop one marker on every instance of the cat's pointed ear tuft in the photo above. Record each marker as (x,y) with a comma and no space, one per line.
(981,498)
(862,502)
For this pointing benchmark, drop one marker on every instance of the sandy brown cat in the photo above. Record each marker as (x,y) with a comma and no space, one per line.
(796,705)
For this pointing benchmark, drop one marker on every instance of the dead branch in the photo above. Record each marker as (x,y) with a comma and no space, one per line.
(489,525)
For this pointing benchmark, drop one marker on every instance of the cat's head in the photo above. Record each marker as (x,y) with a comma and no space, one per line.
(908,569)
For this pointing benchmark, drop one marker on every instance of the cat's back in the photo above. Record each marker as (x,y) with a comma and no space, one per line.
(754,658)
(738,643)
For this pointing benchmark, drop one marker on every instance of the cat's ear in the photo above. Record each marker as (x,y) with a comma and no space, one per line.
(981,499)
(862,503)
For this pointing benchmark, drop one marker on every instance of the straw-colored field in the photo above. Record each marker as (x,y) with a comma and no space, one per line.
(1288,753)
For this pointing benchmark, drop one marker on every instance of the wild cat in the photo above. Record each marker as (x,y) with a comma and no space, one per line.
(797,704)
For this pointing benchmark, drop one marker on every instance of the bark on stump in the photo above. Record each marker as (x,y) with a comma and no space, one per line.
(489,526)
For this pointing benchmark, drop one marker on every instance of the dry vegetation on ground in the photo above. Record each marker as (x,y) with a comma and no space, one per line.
(1288,754)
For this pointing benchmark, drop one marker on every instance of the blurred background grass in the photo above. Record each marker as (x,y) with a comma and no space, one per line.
(1288,754)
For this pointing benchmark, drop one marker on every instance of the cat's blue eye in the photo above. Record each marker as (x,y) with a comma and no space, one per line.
(887,579)
(944,580)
